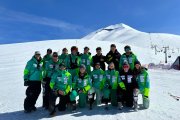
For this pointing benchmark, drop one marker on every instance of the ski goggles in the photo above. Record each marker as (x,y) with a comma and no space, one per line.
(127,50)
(125,66)
(55,55)
(37,54)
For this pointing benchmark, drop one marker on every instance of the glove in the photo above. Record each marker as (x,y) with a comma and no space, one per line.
(124,88)
(146,97)
(60,92)
(26,82)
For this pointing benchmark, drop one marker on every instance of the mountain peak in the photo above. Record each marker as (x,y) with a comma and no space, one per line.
(111,31)
(118,26)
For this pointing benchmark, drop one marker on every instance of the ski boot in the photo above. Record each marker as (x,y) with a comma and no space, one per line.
(27,111)
(73,107)
(106,107)
(34,108)
(135,94)
(120,106)
(52,113)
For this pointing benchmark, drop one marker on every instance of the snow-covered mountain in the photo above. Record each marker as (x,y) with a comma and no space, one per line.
(124,34)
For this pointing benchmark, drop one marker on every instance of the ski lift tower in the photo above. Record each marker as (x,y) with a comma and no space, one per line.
(166,48)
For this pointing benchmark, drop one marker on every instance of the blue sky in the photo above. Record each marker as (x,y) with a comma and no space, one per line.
(31,20)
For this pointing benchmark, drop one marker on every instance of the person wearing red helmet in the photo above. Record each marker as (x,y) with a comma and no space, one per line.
(72,62)
(127,84)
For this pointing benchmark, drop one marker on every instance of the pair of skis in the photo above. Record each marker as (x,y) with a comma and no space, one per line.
(174,96)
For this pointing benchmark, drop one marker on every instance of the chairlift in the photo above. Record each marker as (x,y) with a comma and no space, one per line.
(169,56)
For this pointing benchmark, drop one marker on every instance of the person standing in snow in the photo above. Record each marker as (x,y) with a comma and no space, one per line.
(81,86)
(60,84)
(99,58)
(127,84)
(78,53)
(97,77)
(47,57)
(113,56)
(143,81)
(72,62)
(50,68)
(110,85)
(128,57)
(63,56)
(32,78)
(86,59)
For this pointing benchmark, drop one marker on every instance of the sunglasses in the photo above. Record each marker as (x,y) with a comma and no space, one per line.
(127,50)
(55,56)
(126,66)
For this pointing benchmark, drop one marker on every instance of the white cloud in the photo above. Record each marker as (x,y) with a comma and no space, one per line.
(6,14)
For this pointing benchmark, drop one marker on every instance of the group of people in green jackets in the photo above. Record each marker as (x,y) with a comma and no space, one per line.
(81,80)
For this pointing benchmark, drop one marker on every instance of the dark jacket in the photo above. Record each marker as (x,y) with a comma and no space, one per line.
(128,79)
(99,59)
(130,83)
(113,57)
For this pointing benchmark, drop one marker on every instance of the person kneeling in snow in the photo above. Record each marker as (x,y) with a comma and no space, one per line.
(110,86)
(142,78)
(127,85)
(97,76)
(81,87)
(60,84)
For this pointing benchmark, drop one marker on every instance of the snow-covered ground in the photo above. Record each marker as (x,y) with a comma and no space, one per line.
(13,58)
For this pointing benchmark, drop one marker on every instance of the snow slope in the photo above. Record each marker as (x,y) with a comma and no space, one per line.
(13,58)
(124,34)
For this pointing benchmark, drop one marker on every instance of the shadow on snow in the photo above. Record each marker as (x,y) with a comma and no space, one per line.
(41,113)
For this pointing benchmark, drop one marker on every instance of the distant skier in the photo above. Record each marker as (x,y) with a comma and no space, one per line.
(72,62)
(113,56)
(99,58)
(50,68)
(86,59)
(60,84)
(97,77)
(47,57)
(63,56)
(81,85)
(32,79)
(142,78)
(127,85)
(129,57)
(110,85)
